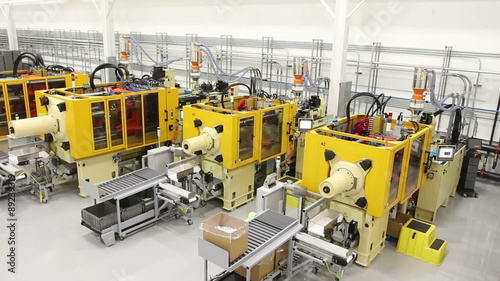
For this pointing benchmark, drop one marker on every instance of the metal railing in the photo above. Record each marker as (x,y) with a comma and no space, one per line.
(368,65)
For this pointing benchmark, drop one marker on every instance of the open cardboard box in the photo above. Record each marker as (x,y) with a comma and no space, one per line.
(394,225)
(260,270)
(236,242)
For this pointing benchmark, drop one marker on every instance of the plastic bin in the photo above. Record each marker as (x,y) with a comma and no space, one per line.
(130,207)
(100,216)
(146,196)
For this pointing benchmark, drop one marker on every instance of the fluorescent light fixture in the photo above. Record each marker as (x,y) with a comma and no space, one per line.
(17,2)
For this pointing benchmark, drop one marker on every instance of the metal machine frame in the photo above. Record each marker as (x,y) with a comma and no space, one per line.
(31,168)
(281,195)
(123,187)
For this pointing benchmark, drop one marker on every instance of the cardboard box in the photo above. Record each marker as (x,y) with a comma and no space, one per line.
(260,270)
(281,256)
(236,243)
(394,225)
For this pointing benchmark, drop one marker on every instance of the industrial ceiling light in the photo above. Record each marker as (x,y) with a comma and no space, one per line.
(18,2)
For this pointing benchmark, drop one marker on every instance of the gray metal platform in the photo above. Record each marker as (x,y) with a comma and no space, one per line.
(125,185)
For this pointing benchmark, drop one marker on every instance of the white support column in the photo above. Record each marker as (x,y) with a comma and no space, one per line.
(11,27)
(108,36)
(339,58)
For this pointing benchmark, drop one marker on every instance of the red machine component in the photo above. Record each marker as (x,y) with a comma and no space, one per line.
(134,123)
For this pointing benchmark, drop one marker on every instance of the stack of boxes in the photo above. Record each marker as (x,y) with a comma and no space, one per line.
(231,234)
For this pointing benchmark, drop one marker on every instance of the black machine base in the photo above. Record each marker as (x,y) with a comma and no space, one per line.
(470,194)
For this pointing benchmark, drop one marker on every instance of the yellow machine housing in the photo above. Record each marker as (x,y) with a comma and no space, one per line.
(101,123)
(388,181)
(83,126)
(233,140)
(255,134)
(17,98)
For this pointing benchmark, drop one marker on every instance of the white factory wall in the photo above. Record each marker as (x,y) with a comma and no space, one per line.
(467,25)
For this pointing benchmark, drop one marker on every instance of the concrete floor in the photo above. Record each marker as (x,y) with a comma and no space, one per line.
(52,245)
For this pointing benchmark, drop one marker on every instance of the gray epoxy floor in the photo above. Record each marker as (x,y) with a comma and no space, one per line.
(52,245)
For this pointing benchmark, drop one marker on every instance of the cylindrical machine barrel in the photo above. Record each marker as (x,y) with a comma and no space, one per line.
(33,126)
(298,66)
(421,79)
(339,182)
(195,55)
(202,142)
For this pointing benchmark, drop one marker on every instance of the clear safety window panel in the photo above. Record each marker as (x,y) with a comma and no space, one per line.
(246,138)
(16,101)
(33,86)
(396,175)
(151,117)
(57,83)
(272,131)
(115,122)
(415,165)
(99,125)
(133,113)
(3,115)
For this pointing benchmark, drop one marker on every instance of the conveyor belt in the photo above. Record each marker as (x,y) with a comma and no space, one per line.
(128,181)
(263,229)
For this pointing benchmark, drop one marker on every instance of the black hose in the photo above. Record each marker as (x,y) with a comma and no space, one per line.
(125,70)
(495,122)
(224,92)
(440,111)
(59,68)
(40,59)
(385,104)
(118,71)
(348,106)
(457,124)
(416,126)
(381,96)
(37,61)
(54,67)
